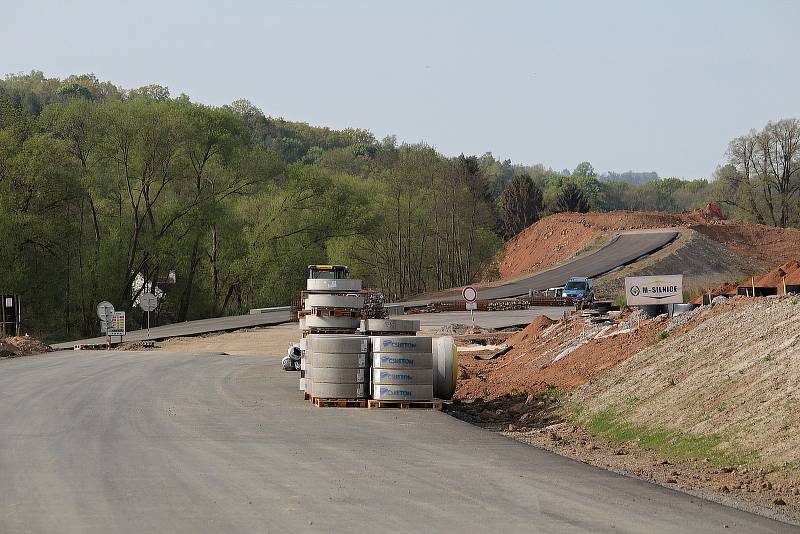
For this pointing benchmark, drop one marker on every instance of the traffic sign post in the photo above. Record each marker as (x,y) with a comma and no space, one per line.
(104,311)
(470,295)
(148,302)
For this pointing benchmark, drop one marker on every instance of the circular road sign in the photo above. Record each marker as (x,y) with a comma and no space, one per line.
(470,294)
(148,302)
(104,309)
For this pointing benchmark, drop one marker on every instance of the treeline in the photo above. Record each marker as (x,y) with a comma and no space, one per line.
(104,192)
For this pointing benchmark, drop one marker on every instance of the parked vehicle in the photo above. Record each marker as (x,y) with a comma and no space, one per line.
(579,288)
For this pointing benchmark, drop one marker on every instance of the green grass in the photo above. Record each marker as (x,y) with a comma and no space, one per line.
(668,443)
(620,301)
(663,335)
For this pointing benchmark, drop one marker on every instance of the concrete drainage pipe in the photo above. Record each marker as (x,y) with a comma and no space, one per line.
(341,343)
(417,344)
(354,302)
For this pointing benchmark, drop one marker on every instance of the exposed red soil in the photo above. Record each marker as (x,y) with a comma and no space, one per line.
(529,366)
(532,331)
(725,290)
(559,237)
(775,277)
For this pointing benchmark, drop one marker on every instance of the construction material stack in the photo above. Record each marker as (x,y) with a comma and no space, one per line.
(402,368)
(337,366)
(331,312)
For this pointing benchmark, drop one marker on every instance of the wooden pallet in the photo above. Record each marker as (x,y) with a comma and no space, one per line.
(422,405)
(339,403)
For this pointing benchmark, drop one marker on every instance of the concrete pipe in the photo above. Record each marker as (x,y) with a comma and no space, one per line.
(333,286)
(382,360)
(678,309)
(402,376)
(417,344)
(445,367)
(334,301)
(324,390)
(418,392)
(390,326)
(336,343)
(343,361)
(331,323)
(337,375)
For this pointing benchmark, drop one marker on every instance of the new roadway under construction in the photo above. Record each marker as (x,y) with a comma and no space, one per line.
(134,442)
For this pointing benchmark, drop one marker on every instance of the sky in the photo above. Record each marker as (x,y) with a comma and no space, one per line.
(626,85)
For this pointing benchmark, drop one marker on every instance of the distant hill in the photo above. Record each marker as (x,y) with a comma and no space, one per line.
(630,177)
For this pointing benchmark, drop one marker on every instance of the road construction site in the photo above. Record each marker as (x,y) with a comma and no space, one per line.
(691,400)
(202,442)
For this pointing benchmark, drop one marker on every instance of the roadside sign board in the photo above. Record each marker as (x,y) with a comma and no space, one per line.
(148,302)
(472,306)
(104,309)
(117,325)
(663,289)
(470,294)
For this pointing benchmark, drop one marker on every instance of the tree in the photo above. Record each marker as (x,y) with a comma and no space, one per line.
(584,170)
(520,205)
(571,198)
(762,175)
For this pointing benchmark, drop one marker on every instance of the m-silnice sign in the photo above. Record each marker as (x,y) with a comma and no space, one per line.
(643,290)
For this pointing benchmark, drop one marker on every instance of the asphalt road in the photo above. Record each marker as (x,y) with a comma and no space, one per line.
(192,328)
(160,442)
(625,249)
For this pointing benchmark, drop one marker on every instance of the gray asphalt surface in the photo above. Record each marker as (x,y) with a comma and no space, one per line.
(624,250)
(160,442)
(192,328)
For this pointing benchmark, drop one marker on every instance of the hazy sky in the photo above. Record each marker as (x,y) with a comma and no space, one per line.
(625,85)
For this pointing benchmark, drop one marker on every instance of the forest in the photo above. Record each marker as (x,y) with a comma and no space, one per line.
(106,192)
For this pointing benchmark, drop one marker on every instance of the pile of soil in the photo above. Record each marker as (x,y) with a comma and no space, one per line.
(775,277)
(559,237)
(736,375)
(532,331)
(569,355)
(13,347)
(725,290)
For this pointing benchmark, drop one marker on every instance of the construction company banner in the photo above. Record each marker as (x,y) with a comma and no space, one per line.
(643,290)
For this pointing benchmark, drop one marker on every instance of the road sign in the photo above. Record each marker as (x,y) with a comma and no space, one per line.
(644,290)
(470,294)
(148,302)
(117,325)
(472,306)
(104,309)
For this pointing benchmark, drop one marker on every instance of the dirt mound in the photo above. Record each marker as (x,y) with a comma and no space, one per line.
(559,237)
(563,356)
(736,376)
(726,290)
(532,331)
(703,262)
(13,347)
(775,277)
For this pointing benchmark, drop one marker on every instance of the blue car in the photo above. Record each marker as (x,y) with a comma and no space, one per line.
(579,288)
